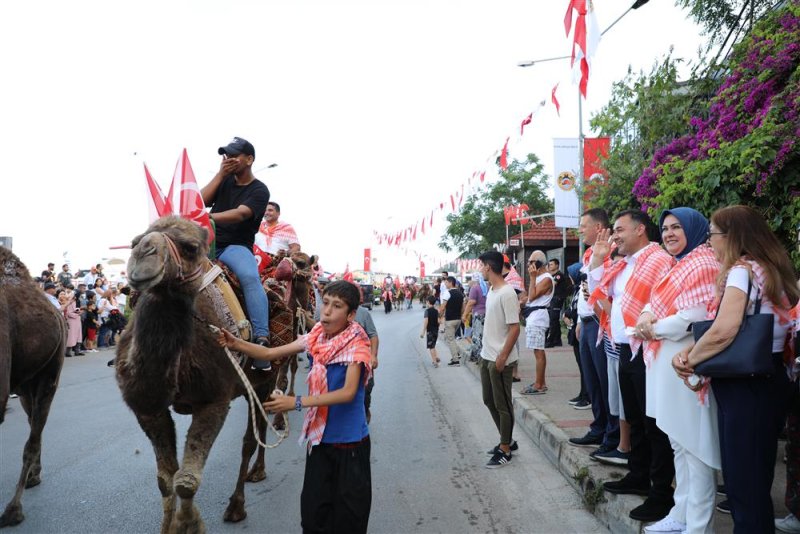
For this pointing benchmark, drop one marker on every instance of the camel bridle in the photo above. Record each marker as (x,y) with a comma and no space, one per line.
(176,258)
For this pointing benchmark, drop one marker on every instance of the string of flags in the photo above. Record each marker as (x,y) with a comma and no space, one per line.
(585,39)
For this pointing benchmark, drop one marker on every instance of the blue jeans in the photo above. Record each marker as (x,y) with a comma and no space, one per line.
(243,264)
(595,377)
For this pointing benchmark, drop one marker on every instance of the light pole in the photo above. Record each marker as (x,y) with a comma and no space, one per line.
(579,179)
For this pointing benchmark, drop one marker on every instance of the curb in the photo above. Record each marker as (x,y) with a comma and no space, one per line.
(584,475)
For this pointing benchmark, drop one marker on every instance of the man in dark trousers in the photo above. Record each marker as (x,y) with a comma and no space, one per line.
(562,287)
(238,202)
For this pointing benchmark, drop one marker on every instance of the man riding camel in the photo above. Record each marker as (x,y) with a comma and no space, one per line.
(274,236)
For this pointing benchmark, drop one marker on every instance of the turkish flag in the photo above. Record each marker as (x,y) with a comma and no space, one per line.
(504,156)
(555,100)
(367,259)
(421,269)
(595,151)
(157,205)
(184,194)
(527,120)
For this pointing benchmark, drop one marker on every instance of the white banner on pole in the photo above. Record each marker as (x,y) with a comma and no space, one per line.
(566,163)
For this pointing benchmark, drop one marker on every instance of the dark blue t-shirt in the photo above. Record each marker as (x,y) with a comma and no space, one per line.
(347,423)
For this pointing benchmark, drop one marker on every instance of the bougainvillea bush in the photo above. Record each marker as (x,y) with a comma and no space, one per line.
(746,151)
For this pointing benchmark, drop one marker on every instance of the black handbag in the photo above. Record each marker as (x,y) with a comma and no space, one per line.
(750,354)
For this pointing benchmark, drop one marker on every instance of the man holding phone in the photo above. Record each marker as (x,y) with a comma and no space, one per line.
(238,202)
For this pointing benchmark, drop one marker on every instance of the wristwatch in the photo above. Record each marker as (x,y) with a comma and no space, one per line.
(297,404)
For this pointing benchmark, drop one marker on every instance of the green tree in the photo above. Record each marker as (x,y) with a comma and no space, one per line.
(719,18)
(480,223)
(645,111)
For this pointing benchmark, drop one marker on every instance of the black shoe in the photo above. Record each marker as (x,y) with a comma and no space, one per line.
(575,400)
(586,440)
(515,379)
(499,459)
(721,490)
(453,363)
(582,405)
(111,362)
(602,449)
(262,365)
(624,486)
(514,446)
(68,355)
(724,506)
(650,511)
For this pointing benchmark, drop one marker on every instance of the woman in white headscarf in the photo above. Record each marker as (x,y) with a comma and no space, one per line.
(476,308)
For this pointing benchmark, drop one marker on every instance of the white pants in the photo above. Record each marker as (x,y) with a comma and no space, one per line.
(695,490)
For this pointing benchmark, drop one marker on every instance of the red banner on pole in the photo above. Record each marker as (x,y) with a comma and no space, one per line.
(595,152)
(367,259)
(421,269)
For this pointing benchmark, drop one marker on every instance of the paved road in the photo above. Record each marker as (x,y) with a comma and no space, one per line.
(429,430)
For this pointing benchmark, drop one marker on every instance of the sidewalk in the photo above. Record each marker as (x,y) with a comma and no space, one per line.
(550,421)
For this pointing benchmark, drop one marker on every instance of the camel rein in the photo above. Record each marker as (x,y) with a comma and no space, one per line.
(253,399)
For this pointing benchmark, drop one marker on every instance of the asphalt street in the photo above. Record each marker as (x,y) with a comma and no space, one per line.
(429,432)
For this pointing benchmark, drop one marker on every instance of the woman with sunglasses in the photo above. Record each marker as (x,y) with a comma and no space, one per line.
(751,409)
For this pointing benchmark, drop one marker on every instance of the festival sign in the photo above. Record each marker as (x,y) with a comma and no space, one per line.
(566,166)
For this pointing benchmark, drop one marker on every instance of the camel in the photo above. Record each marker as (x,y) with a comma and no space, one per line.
(33,337)
(169,357)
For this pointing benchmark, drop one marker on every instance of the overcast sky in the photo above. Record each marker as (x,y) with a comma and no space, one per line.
(375,111)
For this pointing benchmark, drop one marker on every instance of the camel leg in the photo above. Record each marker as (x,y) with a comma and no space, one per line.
(206,424)
(292,374)
(259,472)
(282,383)
(160,429)
(235,511)
(36,399)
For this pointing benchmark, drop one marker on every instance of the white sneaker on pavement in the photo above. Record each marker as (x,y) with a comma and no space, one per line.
(790,523)
(666,525)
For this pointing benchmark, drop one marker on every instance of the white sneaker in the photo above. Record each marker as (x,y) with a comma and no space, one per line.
(666,525)
(790,523)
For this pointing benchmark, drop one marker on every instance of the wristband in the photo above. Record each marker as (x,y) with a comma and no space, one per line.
(298,405)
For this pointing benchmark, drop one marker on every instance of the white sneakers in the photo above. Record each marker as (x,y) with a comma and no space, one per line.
(666,525)
(788,524)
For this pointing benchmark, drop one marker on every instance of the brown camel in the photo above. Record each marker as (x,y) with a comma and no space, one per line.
(168,357)
(33,336)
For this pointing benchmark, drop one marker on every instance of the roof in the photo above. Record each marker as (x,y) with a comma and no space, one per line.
(545,233)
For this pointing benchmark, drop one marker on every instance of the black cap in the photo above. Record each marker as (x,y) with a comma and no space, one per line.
(49,285)
(238,146)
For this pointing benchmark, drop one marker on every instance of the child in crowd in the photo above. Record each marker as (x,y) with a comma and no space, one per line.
(93,324)
(430,327)
(337,488)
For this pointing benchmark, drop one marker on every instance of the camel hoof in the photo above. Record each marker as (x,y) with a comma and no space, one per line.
(186,484)
(33,480)
(256,475)
(12,516)
(235,512)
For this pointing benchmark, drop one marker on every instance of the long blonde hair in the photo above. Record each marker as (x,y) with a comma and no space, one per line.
(749,235)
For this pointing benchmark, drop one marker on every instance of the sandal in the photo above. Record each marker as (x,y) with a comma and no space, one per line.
(532,390)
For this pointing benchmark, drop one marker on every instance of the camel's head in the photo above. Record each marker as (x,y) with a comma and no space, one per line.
(171,251)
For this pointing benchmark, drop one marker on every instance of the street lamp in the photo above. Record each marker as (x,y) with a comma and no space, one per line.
(531,62)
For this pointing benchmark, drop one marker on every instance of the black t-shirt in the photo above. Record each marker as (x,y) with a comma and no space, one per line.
(255,196)
(452,309)
(432,314)
(562,286)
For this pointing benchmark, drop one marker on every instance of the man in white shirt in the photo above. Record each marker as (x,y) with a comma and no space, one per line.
(274,236)
(499,354)
(651,458)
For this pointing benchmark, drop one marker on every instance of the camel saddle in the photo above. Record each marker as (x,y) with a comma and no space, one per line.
(281,318)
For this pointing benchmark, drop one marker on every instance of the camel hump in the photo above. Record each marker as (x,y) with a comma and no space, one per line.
(11,267)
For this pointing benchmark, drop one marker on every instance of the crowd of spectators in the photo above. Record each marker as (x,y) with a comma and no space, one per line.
(93,307)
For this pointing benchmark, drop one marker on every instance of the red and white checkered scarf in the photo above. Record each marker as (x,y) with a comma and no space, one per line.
(691,283)
(651,266)
(351,345)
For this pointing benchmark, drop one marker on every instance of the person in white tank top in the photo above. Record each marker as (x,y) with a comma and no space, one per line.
(540,293)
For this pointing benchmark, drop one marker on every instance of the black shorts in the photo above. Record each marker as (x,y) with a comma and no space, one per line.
(432,337)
